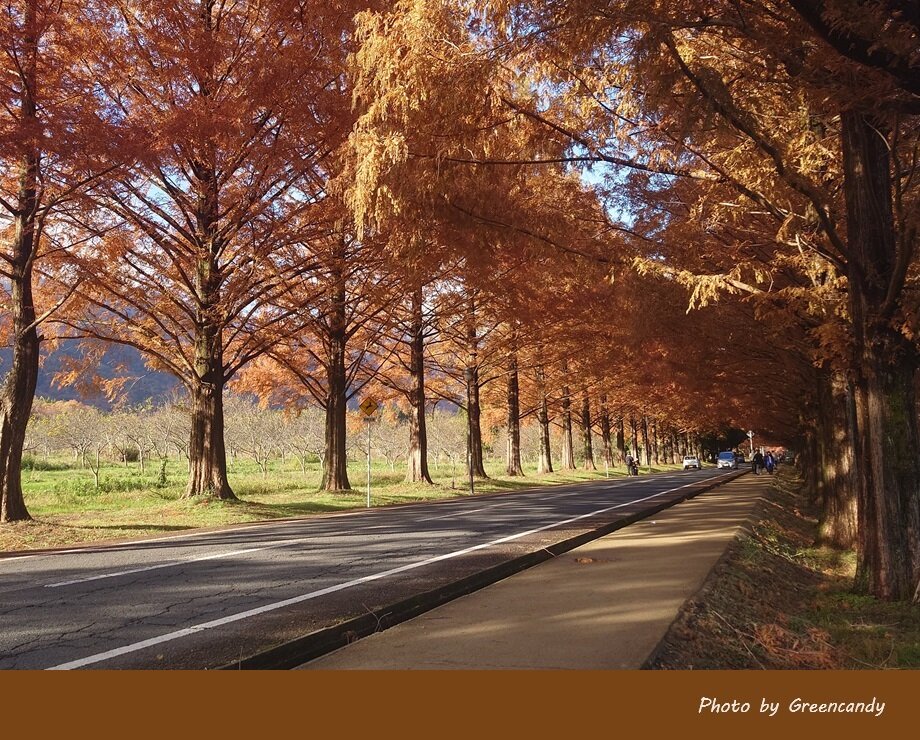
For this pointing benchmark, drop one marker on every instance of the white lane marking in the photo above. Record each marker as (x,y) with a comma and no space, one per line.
(170,636)
(171,564)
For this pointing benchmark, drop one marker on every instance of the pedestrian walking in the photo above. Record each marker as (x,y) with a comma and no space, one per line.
(757,462)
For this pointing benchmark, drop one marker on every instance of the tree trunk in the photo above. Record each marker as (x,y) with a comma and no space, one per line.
(513,465)
(417,460)
(335,461)
(645,442)
(837,523)
(474,429)
(18,391)
(621,439)
(586,433)
(809,462)
(545,463)
(888,461)
(17,396)
(656,453)
(207,454)
(568,447)
(473,407)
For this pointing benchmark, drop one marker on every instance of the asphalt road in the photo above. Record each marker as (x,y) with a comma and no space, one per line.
(203,600)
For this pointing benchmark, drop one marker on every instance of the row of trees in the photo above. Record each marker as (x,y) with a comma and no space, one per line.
(761,153)
(499,204)
(178,181)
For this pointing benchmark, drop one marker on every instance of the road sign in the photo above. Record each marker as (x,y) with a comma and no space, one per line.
(369,406)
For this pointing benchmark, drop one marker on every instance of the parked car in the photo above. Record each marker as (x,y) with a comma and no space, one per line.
(691,461)
(727,460)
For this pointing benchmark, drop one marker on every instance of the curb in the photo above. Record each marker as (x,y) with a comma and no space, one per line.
(321,642)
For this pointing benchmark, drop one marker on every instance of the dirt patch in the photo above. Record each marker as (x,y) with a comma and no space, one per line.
(776,601)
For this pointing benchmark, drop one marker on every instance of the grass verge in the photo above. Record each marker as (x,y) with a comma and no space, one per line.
(778,601)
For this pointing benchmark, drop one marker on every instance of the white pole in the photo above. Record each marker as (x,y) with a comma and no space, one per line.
(369,419)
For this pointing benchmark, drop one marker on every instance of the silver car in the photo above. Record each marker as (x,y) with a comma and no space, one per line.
(727,460)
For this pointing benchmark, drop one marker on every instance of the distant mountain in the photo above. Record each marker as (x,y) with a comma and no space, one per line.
(142,384)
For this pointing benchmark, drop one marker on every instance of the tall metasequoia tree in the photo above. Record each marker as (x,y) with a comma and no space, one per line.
(417,456)
(606,430)
(888,449)
(420,268)
(513,465)
(545,460)
(53,146)
(471,375)
(340,349)
(240,110)
(568,445)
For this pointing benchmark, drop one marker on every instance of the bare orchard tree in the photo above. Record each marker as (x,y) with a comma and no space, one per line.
(171,425)
(84,430)
(144,435)
(79,429)
(530,442)
(304,435)
(447,435)
(256,432)
(390,438)
(118,431)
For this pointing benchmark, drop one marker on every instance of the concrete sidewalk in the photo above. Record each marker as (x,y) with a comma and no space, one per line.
(605,605)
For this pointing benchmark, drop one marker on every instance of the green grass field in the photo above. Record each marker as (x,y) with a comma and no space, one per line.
(68,508)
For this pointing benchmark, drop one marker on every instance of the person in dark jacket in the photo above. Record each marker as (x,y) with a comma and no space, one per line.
(769,462)
(757,462)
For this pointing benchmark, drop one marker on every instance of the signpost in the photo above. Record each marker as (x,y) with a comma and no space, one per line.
(751,437)
(369,408)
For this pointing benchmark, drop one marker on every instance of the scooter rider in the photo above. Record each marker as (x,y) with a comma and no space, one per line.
(632,465)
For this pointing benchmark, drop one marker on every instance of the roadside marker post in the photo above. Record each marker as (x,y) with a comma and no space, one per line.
(369,408)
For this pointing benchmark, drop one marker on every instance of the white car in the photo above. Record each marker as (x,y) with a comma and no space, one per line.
(691,461)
